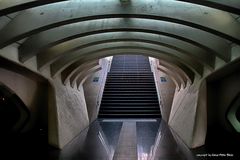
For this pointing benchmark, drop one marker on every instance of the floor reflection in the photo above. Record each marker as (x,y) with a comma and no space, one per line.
(146,137)
(121,139)
(156,142)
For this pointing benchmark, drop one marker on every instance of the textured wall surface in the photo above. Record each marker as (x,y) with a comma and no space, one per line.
(165,90)
(72,111)
(183,109)
(186,107)
(93,90)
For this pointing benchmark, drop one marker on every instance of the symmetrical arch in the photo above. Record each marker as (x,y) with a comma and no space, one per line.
(67,38)
(214,44)
(42,18)
(8,7)
(138,45)
(231,6)
(55,52)
(63,34)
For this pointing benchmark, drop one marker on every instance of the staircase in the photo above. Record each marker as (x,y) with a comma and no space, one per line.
(130,90)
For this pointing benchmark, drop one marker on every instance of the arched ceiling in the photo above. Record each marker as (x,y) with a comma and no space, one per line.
(10,6)
(76,68)
(187,36)
(231,6)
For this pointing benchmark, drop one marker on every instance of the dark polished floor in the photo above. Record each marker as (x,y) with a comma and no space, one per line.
(149,139)
(125,140)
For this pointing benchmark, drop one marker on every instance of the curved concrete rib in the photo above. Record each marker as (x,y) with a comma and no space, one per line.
(64,60)
(232,6)
(60,65)
(174,73)
(83,77)
(69,71)
(192,61)
(79,71)
(56,52)
(213,44)
(179,53)
(175,80)
(11,6)
(176,69)
(43,18)
(172,78)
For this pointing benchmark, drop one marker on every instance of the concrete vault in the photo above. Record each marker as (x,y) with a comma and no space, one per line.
(63,41)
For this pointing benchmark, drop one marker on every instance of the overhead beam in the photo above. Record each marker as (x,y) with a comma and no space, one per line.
(176,79)
(209,42)
(83,78)
(176,68)
(232,6)
(69,57)
(58,66)
(79,71)
(45,60)
(76,79)
(40,19)
(73,68)
(11,6)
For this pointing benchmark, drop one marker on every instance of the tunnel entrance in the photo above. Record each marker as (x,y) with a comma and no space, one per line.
(130,90)
(14,115)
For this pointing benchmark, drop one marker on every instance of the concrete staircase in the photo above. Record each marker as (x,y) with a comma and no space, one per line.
(130,90)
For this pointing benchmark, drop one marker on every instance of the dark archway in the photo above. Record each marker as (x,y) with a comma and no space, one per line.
(14,115)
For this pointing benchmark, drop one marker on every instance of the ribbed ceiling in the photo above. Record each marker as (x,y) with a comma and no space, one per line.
(187,36)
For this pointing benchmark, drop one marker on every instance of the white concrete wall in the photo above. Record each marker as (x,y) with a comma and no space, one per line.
(72,116)
(165,90)
(188,114)
(200,126)
(93,90)
(184,109)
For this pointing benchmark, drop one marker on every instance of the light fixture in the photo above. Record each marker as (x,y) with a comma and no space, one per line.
(124,1)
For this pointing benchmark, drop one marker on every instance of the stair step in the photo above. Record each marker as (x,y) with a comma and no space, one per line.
(129,104)
(130,98)
(140,95)
(131,77)
(130,83)
(130,68)
(130,73)
(140,92)
(129,111)
(130,108)
(130,90)
(131,86)
(122,79)
(129,116)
